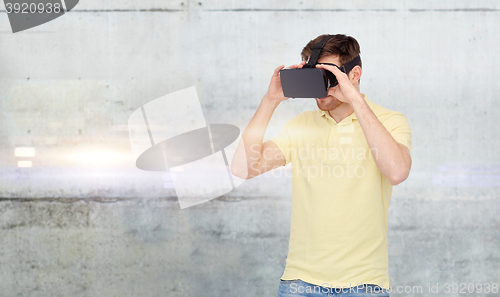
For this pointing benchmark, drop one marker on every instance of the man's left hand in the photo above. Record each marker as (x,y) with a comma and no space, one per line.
(345,90)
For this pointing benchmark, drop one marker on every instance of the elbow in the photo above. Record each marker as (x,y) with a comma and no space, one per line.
(398,177)
(240,169)
(240,172)
(401,171)
(237,172)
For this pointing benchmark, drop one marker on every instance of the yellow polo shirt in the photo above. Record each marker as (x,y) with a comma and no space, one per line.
(340,200)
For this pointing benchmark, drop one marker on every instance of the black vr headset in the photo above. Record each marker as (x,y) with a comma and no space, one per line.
(311,82)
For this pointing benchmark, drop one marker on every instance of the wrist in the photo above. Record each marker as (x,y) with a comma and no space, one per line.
(270,101)
(357,100)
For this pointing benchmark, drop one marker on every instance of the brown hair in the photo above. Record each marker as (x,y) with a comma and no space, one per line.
(346,47)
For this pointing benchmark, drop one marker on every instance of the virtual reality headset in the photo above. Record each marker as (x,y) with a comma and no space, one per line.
(311,82)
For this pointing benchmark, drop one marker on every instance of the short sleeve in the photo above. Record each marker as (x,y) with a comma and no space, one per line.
(399,127)
(283,141)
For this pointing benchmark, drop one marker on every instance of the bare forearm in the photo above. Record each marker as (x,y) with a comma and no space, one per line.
(392,159)
(248,152)
(388,154)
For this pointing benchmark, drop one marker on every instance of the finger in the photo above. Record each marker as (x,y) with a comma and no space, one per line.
(327,67)
(341,76)
(333,69)
(278,69)
(295,66)
(336,71)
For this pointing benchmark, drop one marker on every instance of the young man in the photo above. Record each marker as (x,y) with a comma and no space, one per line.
(345,156)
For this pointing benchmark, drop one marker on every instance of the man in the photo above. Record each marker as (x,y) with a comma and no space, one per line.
(345,156)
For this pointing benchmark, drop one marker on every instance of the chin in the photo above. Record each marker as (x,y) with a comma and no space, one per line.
(328,103)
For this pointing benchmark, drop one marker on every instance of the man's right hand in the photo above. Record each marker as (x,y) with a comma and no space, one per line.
(275,91)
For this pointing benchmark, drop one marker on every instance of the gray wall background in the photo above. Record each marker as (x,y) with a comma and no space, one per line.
(83,221)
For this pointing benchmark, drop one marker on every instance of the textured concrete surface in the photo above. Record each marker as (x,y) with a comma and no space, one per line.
(142,248)
(149,247)
(83,221)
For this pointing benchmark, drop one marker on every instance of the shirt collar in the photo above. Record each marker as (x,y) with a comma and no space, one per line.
(352,116)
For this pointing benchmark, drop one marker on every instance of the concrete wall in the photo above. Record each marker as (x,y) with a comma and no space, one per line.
(84,221)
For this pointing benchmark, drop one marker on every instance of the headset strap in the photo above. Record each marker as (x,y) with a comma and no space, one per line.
(347,67)
(313,59)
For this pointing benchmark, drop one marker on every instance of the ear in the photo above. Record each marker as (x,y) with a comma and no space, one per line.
(355,74)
